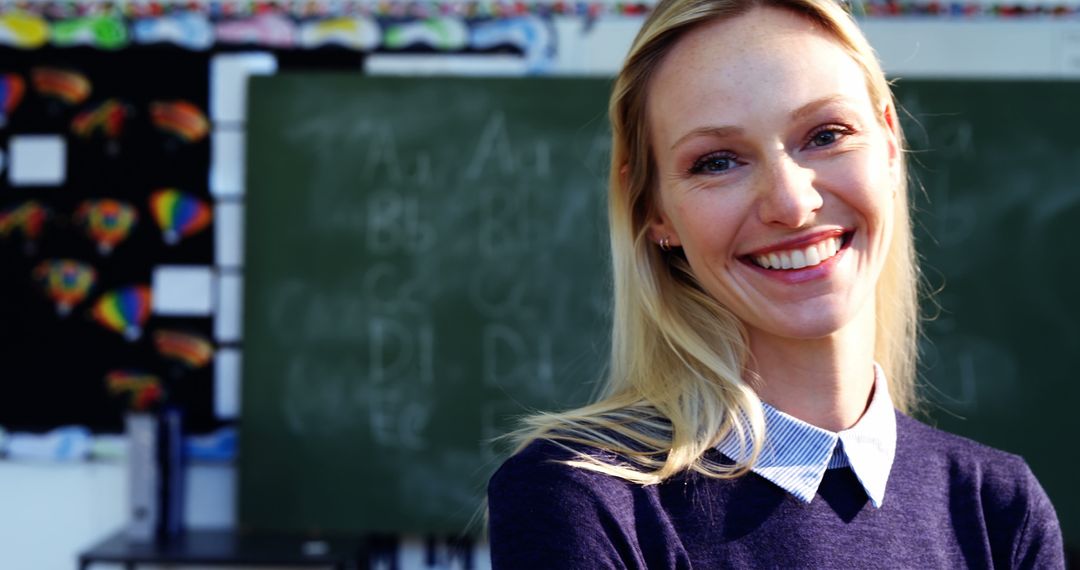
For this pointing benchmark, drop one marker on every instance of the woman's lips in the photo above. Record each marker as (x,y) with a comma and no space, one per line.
(804,261)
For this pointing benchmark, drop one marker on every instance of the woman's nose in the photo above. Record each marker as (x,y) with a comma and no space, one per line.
(787,196)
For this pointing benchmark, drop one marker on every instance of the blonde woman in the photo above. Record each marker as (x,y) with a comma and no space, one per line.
(764,330)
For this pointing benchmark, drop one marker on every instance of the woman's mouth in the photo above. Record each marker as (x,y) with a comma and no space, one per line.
(801,257)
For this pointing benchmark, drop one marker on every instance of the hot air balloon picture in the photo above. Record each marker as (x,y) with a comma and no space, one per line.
(12,89)
(143,388)
(27,218)
(178,214)
(66,282)
(107,119)
(107,222)
(124,310)
(190,351)
(181,120)
(63,87)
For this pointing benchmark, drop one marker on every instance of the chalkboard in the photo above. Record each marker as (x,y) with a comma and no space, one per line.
(425,260)
(1000,163)
(426,257)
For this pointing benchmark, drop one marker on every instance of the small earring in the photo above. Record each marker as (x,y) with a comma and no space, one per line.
(665,243)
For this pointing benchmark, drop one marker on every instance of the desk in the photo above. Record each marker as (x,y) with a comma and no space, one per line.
(230,548)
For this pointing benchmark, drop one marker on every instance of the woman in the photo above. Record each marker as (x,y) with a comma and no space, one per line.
(764,330)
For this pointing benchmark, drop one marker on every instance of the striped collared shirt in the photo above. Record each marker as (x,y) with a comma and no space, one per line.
(796,454)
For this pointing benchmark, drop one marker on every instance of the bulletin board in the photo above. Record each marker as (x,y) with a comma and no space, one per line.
(94,143)
(107,223)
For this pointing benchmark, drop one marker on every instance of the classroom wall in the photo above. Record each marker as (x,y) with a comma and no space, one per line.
(53,510)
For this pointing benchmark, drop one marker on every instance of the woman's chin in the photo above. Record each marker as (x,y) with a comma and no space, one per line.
(804,325)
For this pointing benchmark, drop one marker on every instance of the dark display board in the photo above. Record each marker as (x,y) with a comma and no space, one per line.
(56,359)
(56,350)
(426,257)
(997,228)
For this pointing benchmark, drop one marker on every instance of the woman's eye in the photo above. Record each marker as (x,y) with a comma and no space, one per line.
(824,138)
(828,136)
(713,163)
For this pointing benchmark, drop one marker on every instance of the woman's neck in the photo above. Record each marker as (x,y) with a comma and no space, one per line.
(825,382)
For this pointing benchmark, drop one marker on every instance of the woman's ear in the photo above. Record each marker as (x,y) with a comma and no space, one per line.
(662,231)
(892,128)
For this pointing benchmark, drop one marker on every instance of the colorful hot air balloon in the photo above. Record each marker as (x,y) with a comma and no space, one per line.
(144,388)
(181,119)
(108,119)
(192,350)
(27,218)
(67,86)
(66,281)
(178,214)
(124,310)
(12,88)
(107,222)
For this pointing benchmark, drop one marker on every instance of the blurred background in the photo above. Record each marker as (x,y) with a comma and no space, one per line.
(343,243)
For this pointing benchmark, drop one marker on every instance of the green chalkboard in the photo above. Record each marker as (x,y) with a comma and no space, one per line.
(427,257)
(998,230)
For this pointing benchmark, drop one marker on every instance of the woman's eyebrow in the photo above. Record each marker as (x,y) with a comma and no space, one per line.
(816,104)
(727,131)
(711,131)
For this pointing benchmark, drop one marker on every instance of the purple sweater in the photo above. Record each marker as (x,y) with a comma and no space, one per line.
(949,503)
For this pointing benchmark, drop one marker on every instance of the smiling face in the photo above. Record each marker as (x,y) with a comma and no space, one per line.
(777,174)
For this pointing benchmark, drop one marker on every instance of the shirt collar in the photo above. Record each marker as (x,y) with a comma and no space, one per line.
(796,454)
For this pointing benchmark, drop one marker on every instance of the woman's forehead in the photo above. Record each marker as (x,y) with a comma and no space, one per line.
(767,61)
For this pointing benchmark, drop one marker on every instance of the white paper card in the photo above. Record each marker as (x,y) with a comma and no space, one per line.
(228,323)
(227,383)
(227,162)
(229,234)
(183,290)
(37,160)
(229,75)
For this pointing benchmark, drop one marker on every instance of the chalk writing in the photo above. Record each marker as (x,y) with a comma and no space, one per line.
(511,359)
(495,147)
(302,312)
(394,225)
(397,352)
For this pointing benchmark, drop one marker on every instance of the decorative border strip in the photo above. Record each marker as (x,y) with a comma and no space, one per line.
(899,8)
(367,25)
(333,8)
(420,9)
(201,27)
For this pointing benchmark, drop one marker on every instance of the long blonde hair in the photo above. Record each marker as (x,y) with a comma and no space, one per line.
(675,385)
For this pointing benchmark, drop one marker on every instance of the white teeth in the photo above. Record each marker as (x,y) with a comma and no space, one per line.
(785,261)
(800,258)
(830,247)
